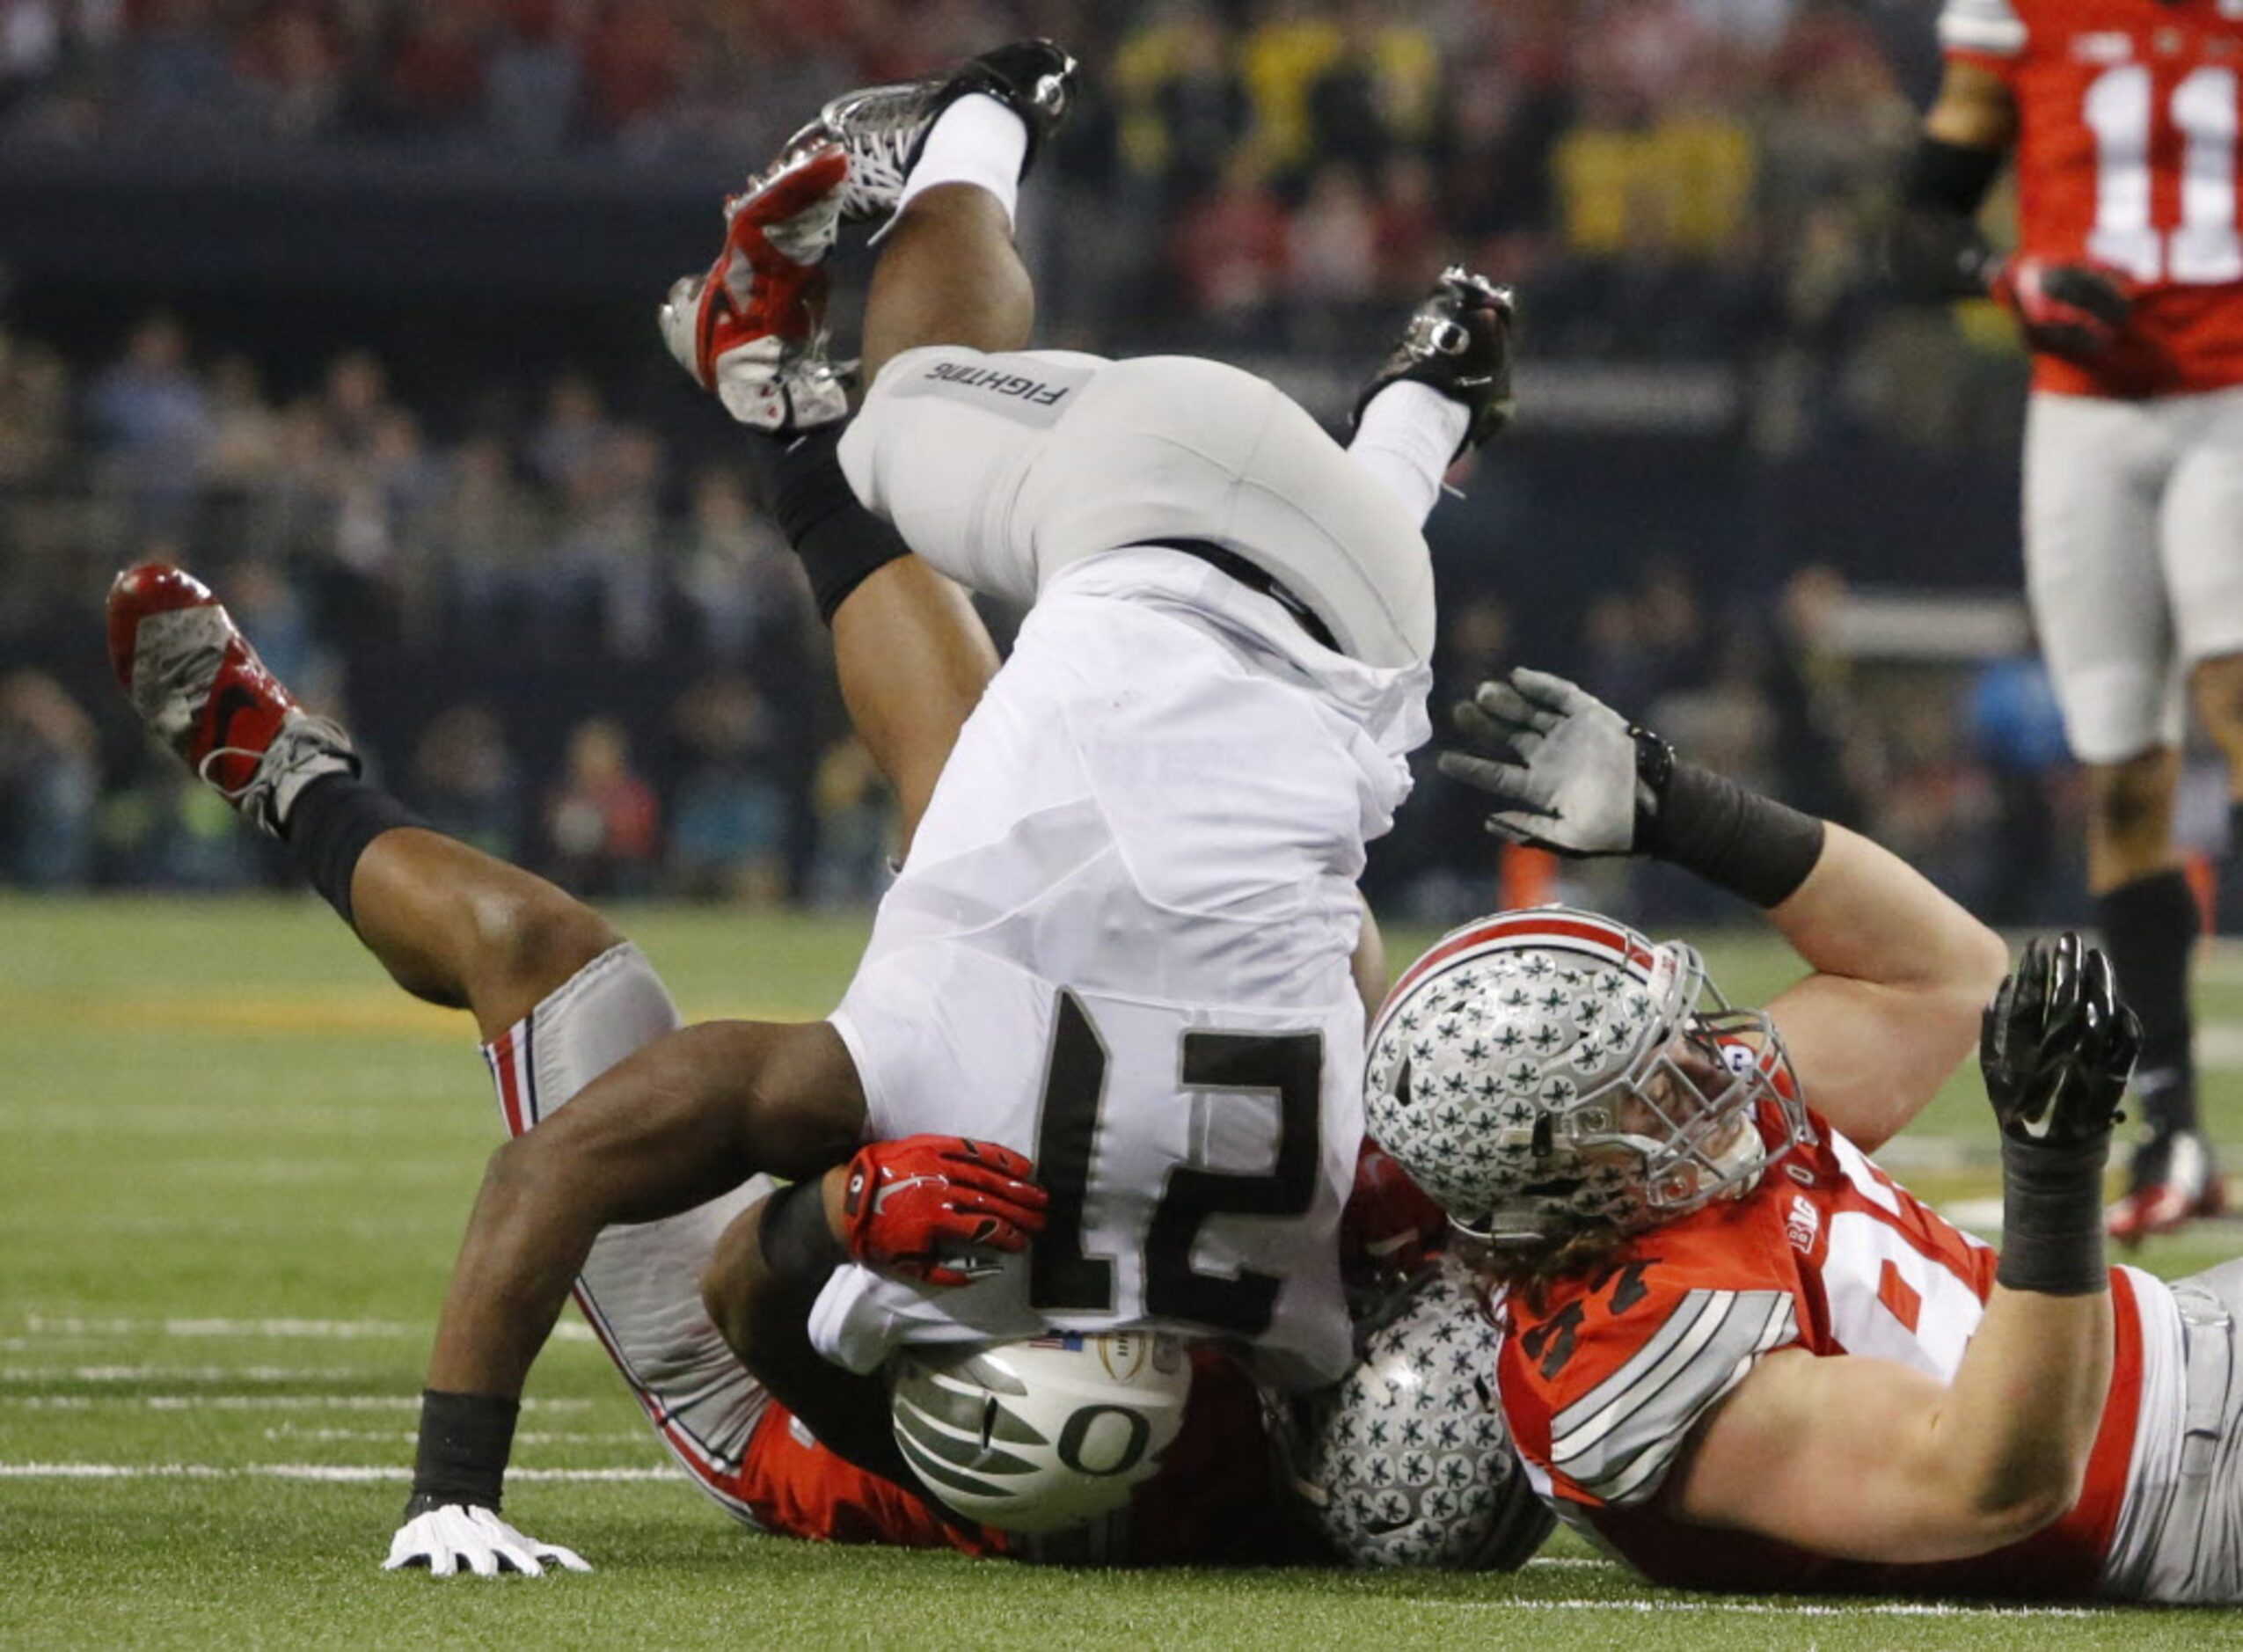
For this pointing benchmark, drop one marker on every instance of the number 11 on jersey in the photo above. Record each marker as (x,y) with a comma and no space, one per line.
(2120,109)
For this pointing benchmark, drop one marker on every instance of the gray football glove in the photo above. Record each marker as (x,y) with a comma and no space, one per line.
(1569,778)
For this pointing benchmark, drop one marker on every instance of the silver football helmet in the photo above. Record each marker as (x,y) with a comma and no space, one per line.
(1546,1071)
(1407,1461)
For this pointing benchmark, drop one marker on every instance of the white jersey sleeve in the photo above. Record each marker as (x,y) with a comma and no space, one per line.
(1991,26)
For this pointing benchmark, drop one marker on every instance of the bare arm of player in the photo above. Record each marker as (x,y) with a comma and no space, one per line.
(913,658)
(689,1116)
(1929,1473)
(1367,963)
(1901,970)
(1901,973)
(1933,1472)
(1973,109)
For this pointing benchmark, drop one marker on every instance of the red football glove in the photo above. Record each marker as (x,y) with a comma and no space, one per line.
(1389,1226)
(2066,308)
(931,1207)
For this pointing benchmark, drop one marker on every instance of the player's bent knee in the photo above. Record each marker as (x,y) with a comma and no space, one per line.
(534,943)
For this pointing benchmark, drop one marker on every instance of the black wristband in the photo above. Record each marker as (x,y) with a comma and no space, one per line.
(1734,838)
(1952,177)
(1932,247)
(840,543)
(2052,1217)
(465,1440)
(798,1243)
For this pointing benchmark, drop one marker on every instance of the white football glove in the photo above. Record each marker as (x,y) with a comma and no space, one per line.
(1569,782)
(457,1536)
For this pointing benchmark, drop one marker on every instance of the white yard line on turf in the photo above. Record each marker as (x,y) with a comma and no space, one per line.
(1769,1609)
(249,1402)
(533,1436)
(177,1373)
(316,1330)
(351,1474)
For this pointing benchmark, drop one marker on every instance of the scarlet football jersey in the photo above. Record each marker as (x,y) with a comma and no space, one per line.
(2126,157)
(1605,1378)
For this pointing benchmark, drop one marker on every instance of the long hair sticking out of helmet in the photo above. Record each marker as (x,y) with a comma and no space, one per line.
(1551,1077)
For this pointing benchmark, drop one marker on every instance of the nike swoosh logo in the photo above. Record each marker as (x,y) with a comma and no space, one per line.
(233,700)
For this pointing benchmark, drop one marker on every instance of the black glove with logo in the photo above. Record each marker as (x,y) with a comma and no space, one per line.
(2056,1047)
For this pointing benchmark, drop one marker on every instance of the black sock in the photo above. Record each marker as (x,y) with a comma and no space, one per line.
(329,826)
(2149,928)
(840,542)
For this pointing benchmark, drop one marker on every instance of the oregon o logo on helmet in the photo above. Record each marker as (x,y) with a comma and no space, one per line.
(1090,1445)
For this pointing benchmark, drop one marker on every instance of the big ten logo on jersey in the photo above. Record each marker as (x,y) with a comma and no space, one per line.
(1802,1222)
(1551,1344)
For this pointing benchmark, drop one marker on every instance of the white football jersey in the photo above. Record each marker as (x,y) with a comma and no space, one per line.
(1121,945)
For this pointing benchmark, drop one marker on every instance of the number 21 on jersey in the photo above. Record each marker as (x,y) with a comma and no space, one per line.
(2121,109)
(1064,1276)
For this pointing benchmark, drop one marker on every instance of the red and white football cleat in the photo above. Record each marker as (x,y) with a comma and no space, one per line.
(198,685)
(2173,1182)
(753,328)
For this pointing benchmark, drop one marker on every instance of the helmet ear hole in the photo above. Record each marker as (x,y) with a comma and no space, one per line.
(988,1422)
(1545,1136)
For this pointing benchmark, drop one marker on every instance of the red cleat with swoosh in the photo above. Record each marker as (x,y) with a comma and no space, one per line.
(198,685)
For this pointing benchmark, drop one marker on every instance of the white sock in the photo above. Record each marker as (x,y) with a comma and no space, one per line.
(1407,438)
(976,141)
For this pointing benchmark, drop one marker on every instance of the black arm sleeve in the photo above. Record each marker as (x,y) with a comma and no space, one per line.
(1932,247)
(775,1285)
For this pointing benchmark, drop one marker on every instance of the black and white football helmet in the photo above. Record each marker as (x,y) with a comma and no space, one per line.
(1043,1435)
(1547,1071)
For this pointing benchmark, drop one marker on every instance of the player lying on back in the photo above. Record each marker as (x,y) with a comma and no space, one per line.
(1247,625)
(1735,1351)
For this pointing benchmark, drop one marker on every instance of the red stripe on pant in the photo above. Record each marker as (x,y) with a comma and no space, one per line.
(502,1067)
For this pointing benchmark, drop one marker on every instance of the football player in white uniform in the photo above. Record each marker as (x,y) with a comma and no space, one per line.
(1715,1307)
(1122,939)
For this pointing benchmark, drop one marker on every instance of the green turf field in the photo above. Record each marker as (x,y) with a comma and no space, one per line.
(234,1165)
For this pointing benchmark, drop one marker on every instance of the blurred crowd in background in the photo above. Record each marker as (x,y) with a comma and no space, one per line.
(543,591)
